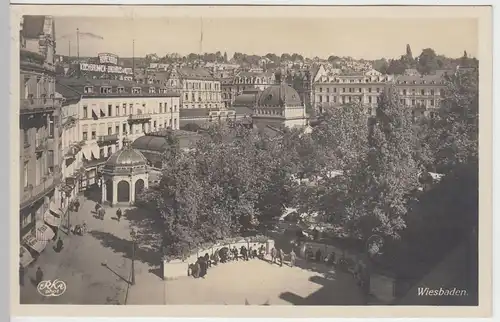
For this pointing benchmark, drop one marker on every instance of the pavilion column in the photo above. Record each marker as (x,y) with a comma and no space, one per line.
(132,191)
(103,191)
(115,191)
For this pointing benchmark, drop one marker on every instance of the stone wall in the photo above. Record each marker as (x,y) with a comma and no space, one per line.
(176,268)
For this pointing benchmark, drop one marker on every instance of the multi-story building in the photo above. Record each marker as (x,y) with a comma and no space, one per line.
(40,144)
(110,110)
(200,93)
(330,89)
(421,93)
(232,87)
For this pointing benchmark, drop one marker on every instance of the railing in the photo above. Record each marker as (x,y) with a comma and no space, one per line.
(34,193)
(40,103)
(107,138)
(139,117)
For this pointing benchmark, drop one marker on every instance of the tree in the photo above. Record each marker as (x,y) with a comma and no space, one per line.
(452,136)
(285,57)
(374,194)
(427,61)
(396,67)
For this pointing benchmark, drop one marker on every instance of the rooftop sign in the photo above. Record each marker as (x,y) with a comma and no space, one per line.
(105,69)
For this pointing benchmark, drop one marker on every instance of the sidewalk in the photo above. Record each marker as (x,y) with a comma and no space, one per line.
(79,265)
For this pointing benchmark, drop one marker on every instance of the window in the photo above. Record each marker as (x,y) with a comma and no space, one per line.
(441,92)
(422,92)
(85,112)
(432,92)
(110,110)
(131,108)
(432,102)
(335,89)
(350,99)
(320,99)
(152,90)
(369,89)
(343,90)
(120,89)
(161,107)
(117,129)
(88,89)
(117,110)
(328,99)
(186,96)
(110,130)
(412,102)
(124,128)
(85,135)
(369,99)
(101,153)
(154,124)
(404,91)
(25,171)
(110,151)
(320,89)
(328,89)
(175,123)
(350,90)
(105,90)
(378,90)
(51,126)
(136,90)
(93,135)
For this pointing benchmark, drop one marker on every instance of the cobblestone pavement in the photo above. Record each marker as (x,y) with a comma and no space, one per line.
(96,268)
(80,264)
(255,282)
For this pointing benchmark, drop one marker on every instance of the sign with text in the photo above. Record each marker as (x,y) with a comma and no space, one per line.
(106,58)
(105,69)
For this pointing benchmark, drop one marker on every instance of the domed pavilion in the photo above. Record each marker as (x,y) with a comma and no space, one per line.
(125,175)
(277,105)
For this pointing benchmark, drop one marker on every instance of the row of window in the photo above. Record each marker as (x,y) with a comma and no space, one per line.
(343,99)
(209,96)
(130,129)
(208,86)
(415,102)
(257,80)
(162,108)
(350,90)
(209,106)
(123,90)
(413,91)
(356,80)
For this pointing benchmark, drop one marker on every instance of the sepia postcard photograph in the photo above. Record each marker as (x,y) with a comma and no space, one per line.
(218,160)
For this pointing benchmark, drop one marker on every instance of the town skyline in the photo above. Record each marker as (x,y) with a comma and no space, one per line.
(380,38)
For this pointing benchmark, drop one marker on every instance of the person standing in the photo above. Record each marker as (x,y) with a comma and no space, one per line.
(273,255)
(119,214)
(77,205)
(280,256)
(21,275)
(38,275)
(293,256)
(59,244)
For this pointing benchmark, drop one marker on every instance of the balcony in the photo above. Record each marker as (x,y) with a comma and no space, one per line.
(39,105)
(41,145)
(107,139)
(139,118)
(32,194)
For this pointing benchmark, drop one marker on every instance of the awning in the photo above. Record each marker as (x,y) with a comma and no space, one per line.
(43,235)
(25,257)
(88,150)
(53,216)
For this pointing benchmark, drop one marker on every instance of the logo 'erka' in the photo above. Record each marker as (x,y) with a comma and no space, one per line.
(51,288)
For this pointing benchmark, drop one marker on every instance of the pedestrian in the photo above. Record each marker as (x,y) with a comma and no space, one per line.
(59,244)
(77,205)
(97,206)
(119,214)
(21,275)
(273,255)
(250,252)
(38,275)
(318,256)
(293,256)
(207,260)
(280,256)
(235,253)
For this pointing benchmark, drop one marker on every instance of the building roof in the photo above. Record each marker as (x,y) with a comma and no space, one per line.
(33,26)
(126,157)
(78,85)
(195,73)
(279,95)
(420,79)
(248,98)
(156,142)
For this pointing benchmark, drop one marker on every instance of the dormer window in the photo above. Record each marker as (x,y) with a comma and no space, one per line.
(414,82)
(105,89)
(120,89)
(88,89)
(152,90)
(136,90)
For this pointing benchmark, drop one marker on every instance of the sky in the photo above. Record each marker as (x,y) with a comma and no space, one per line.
(367,38)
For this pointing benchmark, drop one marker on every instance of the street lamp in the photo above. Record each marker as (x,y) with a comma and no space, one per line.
(133,236)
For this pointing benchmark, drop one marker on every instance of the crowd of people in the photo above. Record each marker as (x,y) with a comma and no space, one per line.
(227,254)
